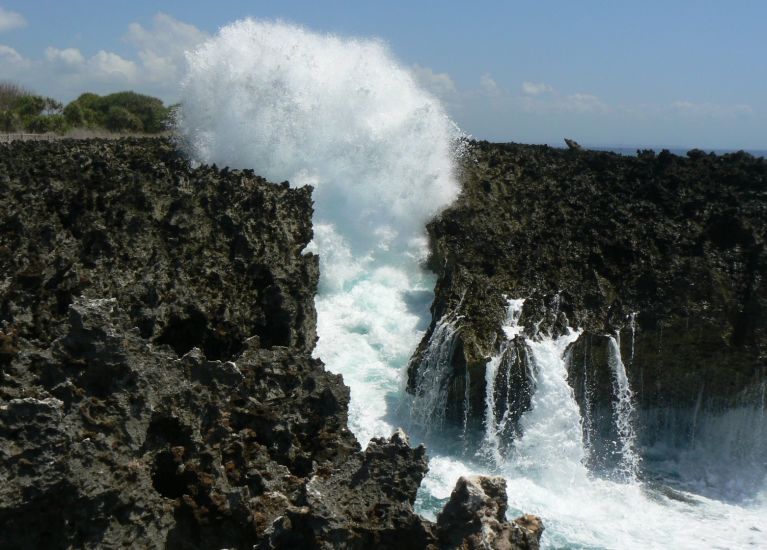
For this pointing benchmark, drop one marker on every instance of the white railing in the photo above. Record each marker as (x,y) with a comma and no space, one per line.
(7,138)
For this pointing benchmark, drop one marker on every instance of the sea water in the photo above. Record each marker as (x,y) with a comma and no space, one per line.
(341,114)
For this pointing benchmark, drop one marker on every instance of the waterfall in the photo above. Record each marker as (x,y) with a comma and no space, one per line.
(552,436)
(433,376)
(491,444)
(466,408)
(342,115)
(586,389)
(623,411)
(633,327)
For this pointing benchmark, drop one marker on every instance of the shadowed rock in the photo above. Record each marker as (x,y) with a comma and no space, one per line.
(157,388)
(674,247)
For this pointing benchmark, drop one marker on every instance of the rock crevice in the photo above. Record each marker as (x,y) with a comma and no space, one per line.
(157,387)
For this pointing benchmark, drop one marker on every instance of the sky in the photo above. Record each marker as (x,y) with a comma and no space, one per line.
(675,73)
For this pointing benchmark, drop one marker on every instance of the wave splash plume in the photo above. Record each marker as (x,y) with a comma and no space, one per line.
(341,115)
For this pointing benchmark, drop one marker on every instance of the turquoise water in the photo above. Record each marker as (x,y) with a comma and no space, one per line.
(344,116)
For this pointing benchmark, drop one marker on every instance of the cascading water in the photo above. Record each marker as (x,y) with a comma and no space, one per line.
(623,409)
(552,437)
(495,428)
(547,474)
(342,115)
(427,409)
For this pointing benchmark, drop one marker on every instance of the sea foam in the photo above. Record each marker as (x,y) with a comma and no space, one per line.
(342,115)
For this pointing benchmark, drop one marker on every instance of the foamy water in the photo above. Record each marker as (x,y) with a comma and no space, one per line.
(342,115)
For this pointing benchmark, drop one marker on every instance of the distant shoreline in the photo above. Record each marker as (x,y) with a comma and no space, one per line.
(632,151)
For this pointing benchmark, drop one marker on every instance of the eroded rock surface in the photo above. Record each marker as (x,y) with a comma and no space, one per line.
(475,518)
(157,388)
(671,246)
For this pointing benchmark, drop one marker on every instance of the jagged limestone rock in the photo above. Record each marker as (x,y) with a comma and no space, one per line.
(157,387)
(475,518)
(593,240)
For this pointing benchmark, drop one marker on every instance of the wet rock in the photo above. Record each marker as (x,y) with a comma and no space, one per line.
(668,251)
(366,502)
(157,388)
(475,518)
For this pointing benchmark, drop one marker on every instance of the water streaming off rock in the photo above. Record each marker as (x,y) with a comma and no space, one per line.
(342,115)
(623,409)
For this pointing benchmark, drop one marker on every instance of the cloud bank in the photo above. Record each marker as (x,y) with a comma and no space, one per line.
(10,20)
(155,67)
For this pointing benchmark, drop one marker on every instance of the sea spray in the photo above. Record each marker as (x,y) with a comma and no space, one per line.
(623,409)
(494,427)
(342,115)
(552,436)
(428,405)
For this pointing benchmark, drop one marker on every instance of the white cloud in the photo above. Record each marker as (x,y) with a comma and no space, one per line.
(489,85)
(536,88)
(155,66)
(583,103)
(67,56)
(539,97)
(104,66)
(440,84)
(162,48)
(111,65)
(710,109)
(10,56)
(10,20)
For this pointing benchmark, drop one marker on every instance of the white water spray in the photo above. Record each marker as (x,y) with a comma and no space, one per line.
(552,440)
(494,428)
(430,401)
(342,115)
(623,409)
(633,327)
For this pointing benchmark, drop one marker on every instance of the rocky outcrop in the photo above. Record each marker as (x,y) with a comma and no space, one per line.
(157,387)
(668,251)
(475,517)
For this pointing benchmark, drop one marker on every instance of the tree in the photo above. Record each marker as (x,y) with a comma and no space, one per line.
(110,112)
(9,121)
(120,119)
(74,114)
(29,106)
(10,92)
(150,110)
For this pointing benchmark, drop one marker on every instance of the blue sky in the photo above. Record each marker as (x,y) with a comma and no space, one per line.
(675,73)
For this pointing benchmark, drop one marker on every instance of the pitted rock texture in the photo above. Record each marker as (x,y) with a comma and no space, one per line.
(109,440)
(475,518)
(590,238)
(157,388)
(203,257)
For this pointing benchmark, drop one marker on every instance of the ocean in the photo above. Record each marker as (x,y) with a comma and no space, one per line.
(344,116)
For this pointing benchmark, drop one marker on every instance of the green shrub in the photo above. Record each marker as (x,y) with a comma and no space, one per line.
(29,106)
(120,119)
(75,114)
(109,112)
(9,121)
(10,92)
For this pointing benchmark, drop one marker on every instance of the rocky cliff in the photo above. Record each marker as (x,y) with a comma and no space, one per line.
(157,387)
(666,251)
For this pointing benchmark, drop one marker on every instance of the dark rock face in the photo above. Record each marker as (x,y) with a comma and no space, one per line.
(125,219)
(596,240)
(156,381)
(475,518)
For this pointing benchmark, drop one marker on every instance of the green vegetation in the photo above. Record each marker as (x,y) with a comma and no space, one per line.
(23,111)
